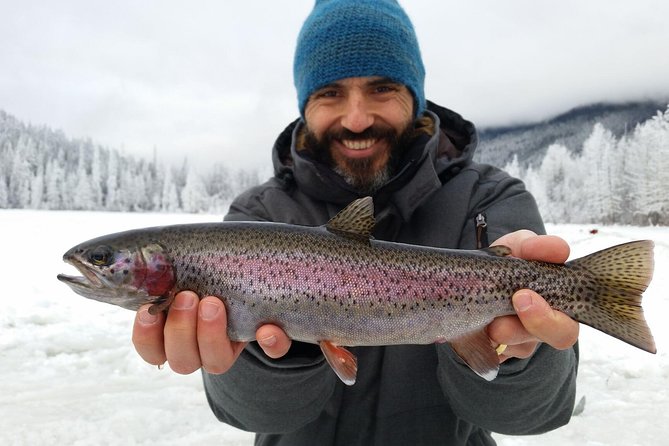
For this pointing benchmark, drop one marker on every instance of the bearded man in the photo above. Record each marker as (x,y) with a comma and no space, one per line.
(365,128)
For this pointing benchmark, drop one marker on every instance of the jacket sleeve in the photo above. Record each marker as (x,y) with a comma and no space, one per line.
(261,394)
(529,396)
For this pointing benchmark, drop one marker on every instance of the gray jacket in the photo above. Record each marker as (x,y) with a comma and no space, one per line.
(408,394)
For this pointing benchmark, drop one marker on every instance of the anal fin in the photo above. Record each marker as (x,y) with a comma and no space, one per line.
(343,362)
(477,352)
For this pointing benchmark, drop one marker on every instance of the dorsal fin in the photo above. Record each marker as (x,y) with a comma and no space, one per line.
(354,221)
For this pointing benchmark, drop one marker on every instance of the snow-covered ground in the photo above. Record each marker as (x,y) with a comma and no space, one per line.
(69,374)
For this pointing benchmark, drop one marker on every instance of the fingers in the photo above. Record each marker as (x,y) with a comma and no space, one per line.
(529,246)
(147,336)
(273,341)
(181,341)
(535,322)
(541,321)
(217,353)
(509,331)
(194,335)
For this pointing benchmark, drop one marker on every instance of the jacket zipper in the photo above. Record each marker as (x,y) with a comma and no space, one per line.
(481,231)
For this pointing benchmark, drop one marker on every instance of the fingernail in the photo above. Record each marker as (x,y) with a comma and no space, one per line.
(522,302)
(209,310)
(269,341)
(147,318)
(184,302)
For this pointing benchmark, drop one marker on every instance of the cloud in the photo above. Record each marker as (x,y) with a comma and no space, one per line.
(213,80)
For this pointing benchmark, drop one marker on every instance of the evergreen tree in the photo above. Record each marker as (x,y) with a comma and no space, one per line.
(4,192)
(54,177)
(97,178)
(83,189)
(111,202)
(169,199)
(600,157)
(37,189)
(193,195)
(20,178)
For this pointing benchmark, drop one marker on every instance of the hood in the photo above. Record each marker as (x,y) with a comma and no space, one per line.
(429,162)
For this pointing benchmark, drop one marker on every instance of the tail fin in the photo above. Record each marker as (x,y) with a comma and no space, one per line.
(621,273)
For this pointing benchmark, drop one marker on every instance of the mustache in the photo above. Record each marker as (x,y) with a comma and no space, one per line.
(374,132)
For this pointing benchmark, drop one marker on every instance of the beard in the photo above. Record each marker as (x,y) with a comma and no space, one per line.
(366,175)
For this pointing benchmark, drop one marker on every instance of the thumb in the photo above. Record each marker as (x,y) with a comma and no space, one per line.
(273,340)
(540,320)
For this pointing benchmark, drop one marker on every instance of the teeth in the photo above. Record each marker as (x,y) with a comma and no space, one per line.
(359,144)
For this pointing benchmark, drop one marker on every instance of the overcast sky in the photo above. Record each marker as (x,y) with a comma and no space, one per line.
(212,80)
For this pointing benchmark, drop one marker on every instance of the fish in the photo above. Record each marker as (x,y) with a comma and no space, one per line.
(337,286)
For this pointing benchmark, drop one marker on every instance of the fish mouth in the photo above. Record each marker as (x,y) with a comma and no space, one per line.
(88,279)
(92,285)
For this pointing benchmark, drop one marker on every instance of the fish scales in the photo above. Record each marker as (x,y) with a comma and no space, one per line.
(335,285)
(300,277)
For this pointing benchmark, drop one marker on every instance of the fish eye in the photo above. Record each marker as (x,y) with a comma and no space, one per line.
(101,256)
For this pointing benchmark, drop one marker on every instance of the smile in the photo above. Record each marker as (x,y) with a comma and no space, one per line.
(358,144)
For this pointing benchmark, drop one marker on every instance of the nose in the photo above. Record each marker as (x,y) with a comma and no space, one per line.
(357,116)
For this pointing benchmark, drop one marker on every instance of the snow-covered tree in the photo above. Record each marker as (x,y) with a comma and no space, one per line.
(602,161)
(20,178)
(4,192)
(97,177)
(111,202)
(194,194)
(83,198)
(54,177)
(169,198)
(554,172)
(37,189)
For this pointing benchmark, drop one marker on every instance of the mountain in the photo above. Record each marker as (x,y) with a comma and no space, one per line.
(530,141)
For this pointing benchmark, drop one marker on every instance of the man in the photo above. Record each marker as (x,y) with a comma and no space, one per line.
(366,129)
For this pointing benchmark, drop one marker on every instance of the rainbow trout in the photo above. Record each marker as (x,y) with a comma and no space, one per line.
(336,286)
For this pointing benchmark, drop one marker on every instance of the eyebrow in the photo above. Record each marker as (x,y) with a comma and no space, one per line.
(372,83)
(383,81)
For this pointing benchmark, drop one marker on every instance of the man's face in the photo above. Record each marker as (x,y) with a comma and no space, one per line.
(356,125)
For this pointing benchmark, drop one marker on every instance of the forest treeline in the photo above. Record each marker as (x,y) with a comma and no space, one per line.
(43,169)
(608,180)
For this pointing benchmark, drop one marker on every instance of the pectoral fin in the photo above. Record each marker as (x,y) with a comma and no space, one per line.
(342,361)
(477,352)
(162,303)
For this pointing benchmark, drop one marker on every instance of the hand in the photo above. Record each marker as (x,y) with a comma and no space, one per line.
(193,334)
(535,321)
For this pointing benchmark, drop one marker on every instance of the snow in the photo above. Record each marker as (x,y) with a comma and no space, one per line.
(69,373)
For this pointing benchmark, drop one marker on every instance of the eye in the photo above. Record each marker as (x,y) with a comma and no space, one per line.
(327,94)
(386,88)
(101,256)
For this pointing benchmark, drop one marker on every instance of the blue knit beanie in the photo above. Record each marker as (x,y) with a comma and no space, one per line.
(357,38)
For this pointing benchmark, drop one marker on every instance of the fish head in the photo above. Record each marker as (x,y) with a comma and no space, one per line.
(124,271)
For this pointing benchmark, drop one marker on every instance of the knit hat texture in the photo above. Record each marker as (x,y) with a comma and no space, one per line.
(357,38)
